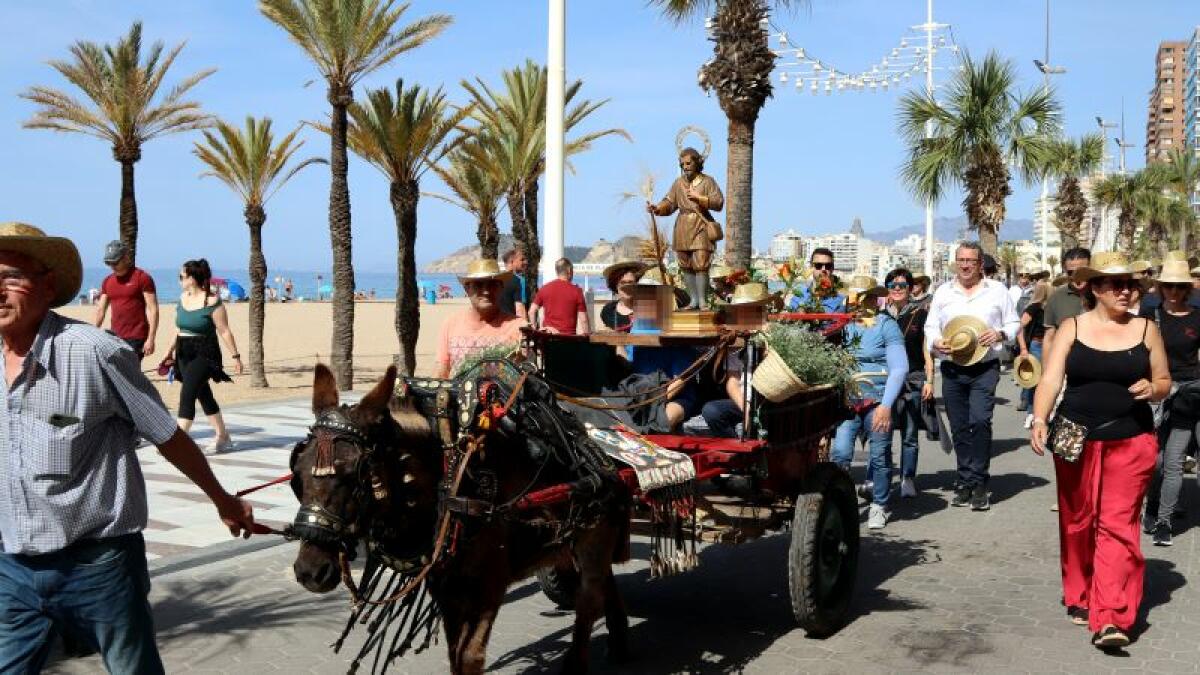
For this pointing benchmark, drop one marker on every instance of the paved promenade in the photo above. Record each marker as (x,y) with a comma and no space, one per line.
(940,590)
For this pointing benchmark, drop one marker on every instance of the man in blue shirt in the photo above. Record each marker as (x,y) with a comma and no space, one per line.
(821,262)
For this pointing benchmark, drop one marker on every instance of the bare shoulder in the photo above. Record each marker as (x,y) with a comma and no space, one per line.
(212,301)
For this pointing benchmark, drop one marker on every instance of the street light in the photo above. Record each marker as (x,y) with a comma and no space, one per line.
(1047,71)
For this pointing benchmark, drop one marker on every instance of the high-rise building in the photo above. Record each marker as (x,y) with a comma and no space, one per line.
(1047,230)
(1165,123)
(786,246)
(1191,92)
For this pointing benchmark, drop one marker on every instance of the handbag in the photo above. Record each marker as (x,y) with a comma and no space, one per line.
(712,230)
(165,366)
(1066,438)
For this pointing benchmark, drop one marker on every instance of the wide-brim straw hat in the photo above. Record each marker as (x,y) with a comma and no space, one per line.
(1175,272)
(619,268)
(719,271)
(753,293)
(1176,255)
(58,254)
(1027,371)
(1106,264)
(861,287)
(962,334)
(1141,266)
(484,269)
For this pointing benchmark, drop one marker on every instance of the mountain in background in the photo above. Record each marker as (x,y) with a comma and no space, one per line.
(458,260)
(952,229)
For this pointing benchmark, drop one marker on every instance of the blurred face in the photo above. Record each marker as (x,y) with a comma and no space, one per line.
(625,286)
(1023,281)
(1115,293)
(186,282)
(26,291)
(483,294)
(121,266)
(968,265)
(899,291)
(518,263)
(822,265)
(1071,265)
(1175,293)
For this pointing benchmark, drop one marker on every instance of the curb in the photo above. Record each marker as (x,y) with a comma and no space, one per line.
(213,554)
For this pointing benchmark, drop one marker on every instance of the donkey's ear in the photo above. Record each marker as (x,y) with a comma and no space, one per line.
(325,394)
(375,403)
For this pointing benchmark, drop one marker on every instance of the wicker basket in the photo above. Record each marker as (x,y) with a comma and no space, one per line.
(775,380)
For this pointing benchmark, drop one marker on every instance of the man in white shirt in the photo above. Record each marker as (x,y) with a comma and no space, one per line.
(970,391)
(1021,288)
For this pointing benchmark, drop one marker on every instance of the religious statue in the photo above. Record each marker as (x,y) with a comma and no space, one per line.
(694,195)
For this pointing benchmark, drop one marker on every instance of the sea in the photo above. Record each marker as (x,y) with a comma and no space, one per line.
(306,284)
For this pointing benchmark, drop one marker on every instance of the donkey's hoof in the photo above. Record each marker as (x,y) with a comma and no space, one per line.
(618,653)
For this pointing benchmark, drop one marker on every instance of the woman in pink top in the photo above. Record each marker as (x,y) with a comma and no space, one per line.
(480,326)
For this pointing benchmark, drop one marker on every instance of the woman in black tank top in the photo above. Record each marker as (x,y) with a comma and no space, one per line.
(1114,366)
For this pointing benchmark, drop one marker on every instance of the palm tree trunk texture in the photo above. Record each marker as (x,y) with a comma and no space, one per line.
(255,218)
(404,196)
(533,250)
(342,347)
(739,177)
(489,237)
(128,219)
(1126,231)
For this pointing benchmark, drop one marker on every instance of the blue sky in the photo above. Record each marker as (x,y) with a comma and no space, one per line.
(820,160)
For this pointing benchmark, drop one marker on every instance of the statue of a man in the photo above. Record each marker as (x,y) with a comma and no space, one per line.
(695,195)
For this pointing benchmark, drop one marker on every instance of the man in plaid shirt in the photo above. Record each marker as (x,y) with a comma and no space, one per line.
(73,401)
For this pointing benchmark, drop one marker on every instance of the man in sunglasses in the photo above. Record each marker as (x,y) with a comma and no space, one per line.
(823,283)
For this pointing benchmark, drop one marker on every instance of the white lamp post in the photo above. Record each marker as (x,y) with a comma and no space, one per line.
(555,83)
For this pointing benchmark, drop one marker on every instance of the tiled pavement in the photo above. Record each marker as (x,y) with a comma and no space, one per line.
(940,590)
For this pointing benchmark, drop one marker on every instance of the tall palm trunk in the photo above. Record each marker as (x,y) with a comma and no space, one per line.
(987,188)
(255,218)
(489,237)
(533,250)
(404,196)
(515,199)
(128,224)
(1126,230)
(739,178)
(342,347)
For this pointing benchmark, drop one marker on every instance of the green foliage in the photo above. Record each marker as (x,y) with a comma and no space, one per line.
(810,355)
(249,161)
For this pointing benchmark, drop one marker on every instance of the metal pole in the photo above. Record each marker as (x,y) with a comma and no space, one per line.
(1046,178)
(555,83)
(929,132)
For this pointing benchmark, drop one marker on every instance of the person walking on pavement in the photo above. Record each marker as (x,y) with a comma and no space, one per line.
(969,387)
(200,318)
(918,385)
(72,498)
(1030,339)
(130,291)
(1179,325)
(559,306)
(1114,365)
(1066,301)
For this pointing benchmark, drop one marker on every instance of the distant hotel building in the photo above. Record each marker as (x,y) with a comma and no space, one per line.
(786,246)
(1191,92)
(1165,123)
(1047,230)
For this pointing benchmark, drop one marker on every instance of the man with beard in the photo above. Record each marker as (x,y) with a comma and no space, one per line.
(694,195)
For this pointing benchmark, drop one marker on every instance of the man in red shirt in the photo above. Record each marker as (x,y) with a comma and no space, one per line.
(134,301)
(561,304)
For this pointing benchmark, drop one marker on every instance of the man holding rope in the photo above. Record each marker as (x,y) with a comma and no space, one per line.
(72,496)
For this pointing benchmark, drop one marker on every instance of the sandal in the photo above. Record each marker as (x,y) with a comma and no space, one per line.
(1110,637)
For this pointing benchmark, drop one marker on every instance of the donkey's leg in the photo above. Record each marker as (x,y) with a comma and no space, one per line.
(477,626)
(593,555)
(617,620)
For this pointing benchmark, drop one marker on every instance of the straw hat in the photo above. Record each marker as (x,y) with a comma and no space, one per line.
(962,334)
(719,271)
(1176,255)
(752,293)
(1175,272)
(1027,371)
(1040,274)
(653,277)
(618,269)
(484,269)
(1106,264)
(56,253)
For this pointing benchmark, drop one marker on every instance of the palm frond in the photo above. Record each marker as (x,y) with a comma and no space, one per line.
(249,160)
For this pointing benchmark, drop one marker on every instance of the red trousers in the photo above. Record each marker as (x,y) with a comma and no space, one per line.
(1099,506)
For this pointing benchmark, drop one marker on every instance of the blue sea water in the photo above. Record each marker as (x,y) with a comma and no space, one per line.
(305,283)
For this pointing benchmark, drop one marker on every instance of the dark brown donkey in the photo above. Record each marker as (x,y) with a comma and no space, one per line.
(372,473)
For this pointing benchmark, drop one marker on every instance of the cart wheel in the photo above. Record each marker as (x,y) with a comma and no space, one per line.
(823,555)
(560,585)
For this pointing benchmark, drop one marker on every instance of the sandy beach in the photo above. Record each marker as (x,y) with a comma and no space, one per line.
(296,336)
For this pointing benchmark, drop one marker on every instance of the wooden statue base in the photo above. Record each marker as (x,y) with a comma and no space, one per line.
(695,322)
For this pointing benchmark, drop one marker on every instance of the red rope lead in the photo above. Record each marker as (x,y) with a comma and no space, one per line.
(282,479)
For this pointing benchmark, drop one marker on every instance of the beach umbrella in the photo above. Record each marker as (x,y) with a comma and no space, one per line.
(325,289)
(235,290)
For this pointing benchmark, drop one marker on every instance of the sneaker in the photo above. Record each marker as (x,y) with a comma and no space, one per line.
(1029,421)
(1077,615)
(962,496)
(979,498)
(866,490)
(1162,534)
(1149,521)
(1189,464)
(878,517)
(1110,637)
(908,488)
(218,446)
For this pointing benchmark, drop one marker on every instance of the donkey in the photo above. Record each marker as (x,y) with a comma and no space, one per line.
(379,478)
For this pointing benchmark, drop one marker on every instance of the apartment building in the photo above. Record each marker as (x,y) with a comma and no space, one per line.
(1165,122)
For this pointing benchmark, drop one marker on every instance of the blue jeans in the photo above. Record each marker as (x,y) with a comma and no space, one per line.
(95,589)
(722,417)
(970,396)
(909,423)
(879,462)
(1035,349)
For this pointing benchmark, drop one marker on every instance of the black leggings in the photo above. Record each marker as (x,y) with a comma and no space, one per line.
(194,375)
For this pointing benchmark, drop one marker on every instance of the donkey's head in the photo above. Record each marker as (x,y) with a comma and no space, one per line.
(365,471)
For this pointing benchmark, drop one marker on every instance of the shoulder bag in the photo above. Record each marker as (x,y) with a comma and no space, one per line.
(1066,438)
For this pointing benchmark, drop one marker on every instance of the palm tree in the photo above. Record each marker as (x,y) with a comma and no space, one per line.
(740,74)
(1126,193)
(1181,175)
(347,39)
(476,192)
(404,136)
(123,88)
(1052,261)
(1164,213)
(511,142)
(1009,258)
(254,166)
(1069,161)
(983,126)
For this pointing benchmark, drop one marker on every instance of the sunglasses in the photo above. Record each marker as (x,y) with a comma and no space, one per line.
(822,266)
(898,285)
(1177,287)
(1119,284)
